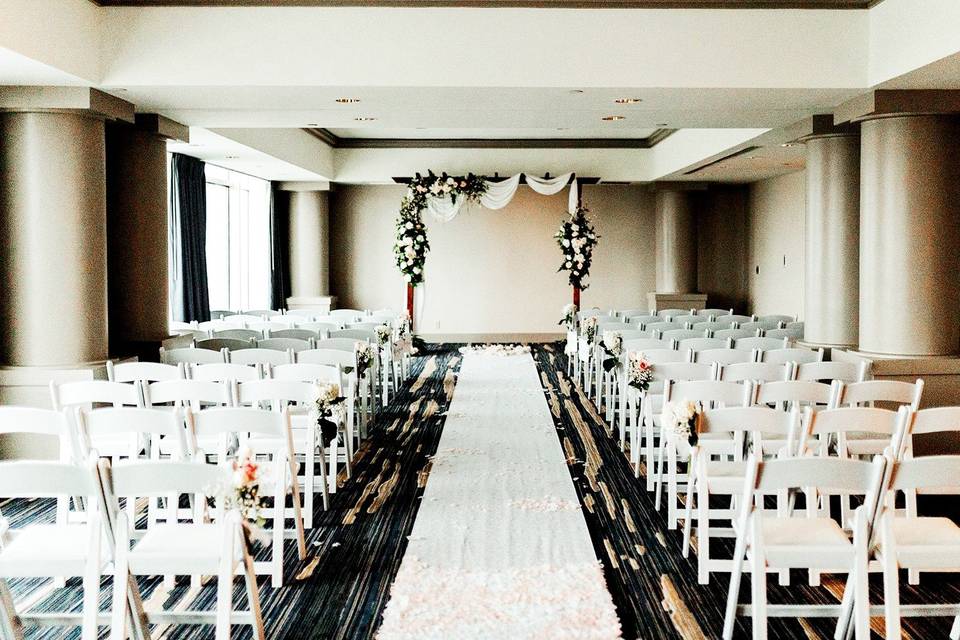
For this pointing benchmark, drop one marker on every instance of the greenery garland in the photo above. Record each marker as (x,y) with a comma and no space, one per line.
(412,245)
(577,238)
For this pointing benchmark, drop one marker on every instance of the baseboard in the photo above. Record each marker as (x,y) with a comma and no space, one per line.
(491,337)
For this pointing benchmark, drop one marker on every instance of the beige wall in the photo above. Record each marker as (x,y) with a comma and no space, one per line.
(492,272)
(776,210)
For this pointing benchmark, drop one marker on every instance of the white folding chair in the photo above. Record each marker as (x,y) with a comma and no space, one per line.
(774,542)
(756,372)
(709,394)
(723,356)
(239,334)
(702,344)
(798,355)
(192,355)
(307,335)
(298,399)
(149,371)
(733,334)
(224,372)
(261,357)
(285,344)
(195,547)
(721,435)
(230,344)
(760,344)
(52,550)
(843,371)
(267,434)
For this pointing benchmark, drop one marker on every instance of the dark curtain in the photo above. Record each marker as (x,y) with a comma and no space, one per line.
(279,237)
(188,200)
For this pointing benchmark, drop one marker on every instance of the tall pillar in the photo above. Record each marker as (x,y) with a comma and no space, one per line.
(53,240)
(53,310)
(676,252)
(909,236)
(137,231)
(309,247)
(832,240)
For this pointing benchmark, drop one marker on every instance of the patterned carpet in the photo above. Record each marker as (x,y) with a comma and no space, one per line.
(355,548)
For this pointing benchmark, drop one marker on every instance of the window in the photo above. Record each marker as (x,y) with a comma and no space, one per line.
(238,240)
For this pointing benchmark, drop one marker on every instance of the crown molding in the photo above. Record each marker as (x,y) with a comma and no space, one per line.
(490,143)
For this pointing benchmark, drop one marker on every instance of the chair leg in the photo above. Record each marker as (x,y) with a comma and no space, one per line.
(324,490)
(955,629)
(703,535)
(253,595)
(758,592)
(224,603)
(332,468)
(672,490)
(688,517)
(891,599)
(309,468)
(733,593)
(118,611)
(9,621)
(276,552)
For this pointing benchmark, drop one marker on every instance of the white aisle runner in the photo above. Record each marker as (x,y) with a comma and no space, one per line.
(499,548)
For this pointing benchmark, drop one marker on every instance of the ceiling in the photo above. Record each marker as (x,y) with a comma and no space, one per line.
(638,4)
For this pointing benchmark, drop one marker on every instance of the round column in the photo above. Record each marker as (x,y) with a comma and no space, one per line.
(909,237)
(676,246)
(137,238)
(53,310)
(309,244)
(832,241)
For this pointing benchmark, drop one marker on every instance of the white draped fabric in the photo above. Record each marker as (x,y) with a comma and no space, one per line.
(500,548)
(500,193)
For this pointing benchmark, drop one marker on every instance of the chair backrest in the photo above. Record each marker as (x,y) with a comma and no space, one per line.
(219,314)
(722,356)
(191,355)
(644,344)
(795,325)
(261,356)
(632,313)
(40,422)
(284,344)
(798,355)
(682,334)
(309,314)
(333,357)
(369,325)
(367,335)
(850,419)
(661,326)
(780,334)
(279,393)
(776,318)
(714,312)
(702,344)
(47,479)
(684,371)
(242,422)
(665,356)
(193,334)
(709,326)
(844,371)
(232,344)
(737,318)
(683,321)
(589,313)
(892,391)
(762,325)
(794,393)
(114,421)
(239,334)
(148,478)
(86,393)
(187,393)
(926,472)
(322,329)
(636,334)
(296,334)
(224,372)
(347,315)
(762,344)
(337,344)
(756,372)
(337,322)
(613,324)
(262,328)
(303,372)
(149,371)
(669,313)
(733,334)
(709,392)
(288,321)
(760,420)
(261,313)
(829,474)
(643,320)
(216,325)
(242,319)
(935,420)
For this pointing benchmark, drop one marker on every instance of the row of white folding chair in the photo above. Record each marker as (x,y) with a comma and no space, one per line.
(101,545)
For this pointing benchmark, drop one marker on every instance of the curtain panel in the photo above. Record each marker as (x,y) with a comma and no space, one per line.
(188,207)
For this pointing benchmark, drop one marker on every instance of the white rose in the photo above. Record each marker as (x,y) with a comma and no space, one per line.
(409,225)
(416,269)
(420,238)
(569,264)
(566,243)
(408,278)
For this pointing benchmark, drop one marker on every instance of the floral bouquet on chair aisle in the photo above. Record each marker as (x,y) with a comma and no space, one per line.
(365,353)
(612,344)
(569,320)
(384,333)
(679,420)
(330,411)
(639,371)
(403,345)
(589,329)
(242,494)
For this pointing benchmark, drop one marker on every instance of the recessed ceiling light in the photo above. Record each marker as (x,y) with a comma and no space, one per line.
(232,157)
(662,124)
(790,144)
(613,118)
(312,124)
(347,100)
(628,100)
(364,119)
(576,91)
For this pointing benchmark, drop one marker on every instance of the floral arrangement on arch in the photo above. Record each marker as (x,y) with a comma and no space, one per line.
(577,238)
(411,246)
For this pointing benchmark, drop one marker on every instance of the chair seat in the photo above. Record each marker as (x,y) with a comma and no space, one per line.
(46,550)
(805,542)
(179,549)
(930,543)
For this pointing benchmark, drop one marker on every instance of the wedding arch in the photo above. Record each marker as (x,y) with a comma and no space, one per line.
(444,196)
